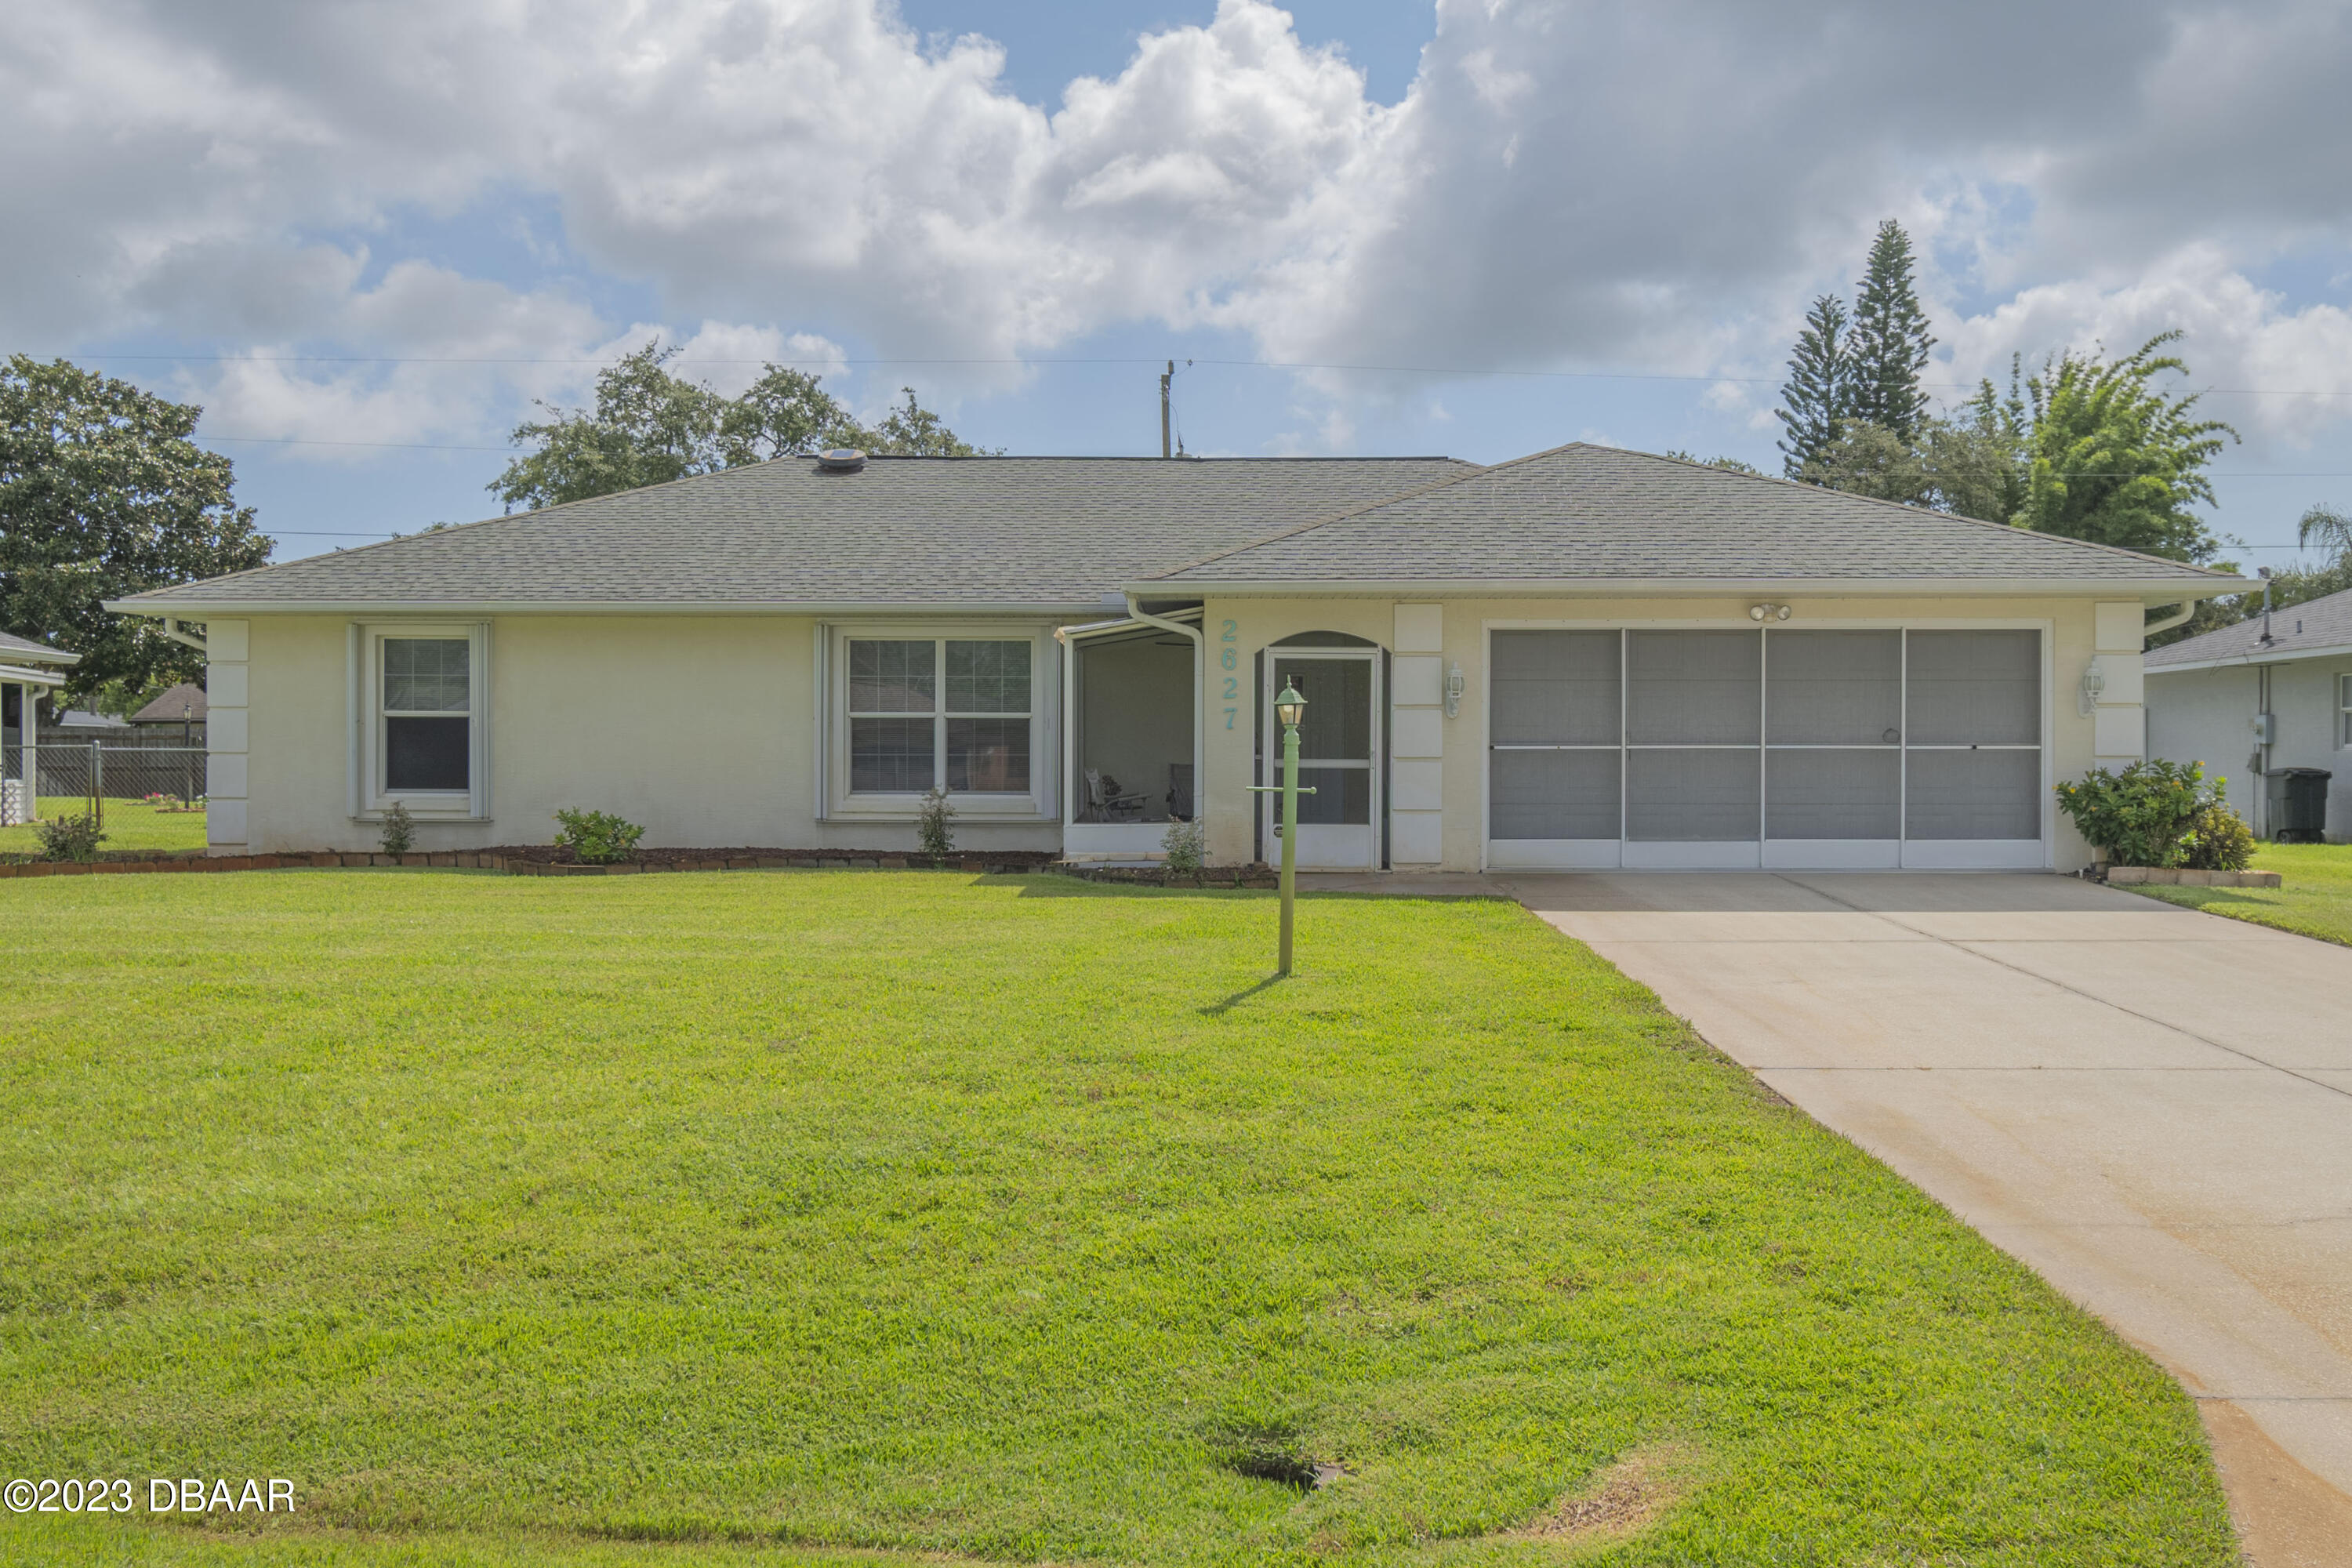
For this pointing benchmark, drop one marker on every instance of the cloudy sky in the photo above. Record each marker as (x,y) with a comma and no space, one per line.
(367,235)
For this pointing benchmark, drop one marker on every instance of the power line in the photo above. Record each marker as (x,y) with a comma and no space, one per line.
(1120,360)
(432,446)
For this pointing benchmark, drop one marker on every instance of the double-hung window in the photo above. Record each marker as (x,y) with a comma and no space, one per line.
(955,713)
(2344,708)
(421,740)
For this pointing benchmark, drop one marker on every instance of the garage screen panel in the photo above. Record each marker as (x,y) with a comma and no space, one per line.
(1554,794)
(1674,795)
(1554,763)
(1832,719)
(1555,688)
(1973,770)
(1693,688)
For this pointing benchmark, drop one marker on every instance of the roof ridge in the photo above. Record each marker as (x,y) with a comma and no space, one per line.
(1342,516)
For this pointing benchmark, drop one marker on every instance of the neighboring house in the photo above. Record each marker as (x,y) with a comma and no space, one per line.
(1585,658)
(28,668)
(179,708)
(2208,696)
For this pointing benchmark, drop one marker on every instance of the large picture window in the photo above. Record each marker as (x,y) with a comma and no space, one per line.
(951,713)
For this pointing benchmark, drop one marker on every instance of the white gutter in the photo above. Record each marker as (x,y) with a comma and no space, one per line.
(2254,657)
(1200,703)
(40,655)
(22,676)
(2188,608)
(187,610)
(2153,590)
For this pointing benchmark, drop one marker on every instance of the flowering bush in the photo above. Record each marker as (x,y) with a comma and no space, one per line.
(2158,813)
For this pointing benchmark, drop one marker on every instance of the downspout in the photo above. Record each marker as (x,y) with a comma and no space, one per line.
(2166,625)
(1200,711)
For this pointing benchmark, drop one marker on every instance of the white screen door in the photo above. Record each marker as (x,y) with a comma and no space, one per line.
(1339,757)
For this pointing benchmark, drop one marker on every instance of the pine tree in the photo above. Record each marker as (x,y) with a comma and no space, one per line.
(1814,402)
(1888,346)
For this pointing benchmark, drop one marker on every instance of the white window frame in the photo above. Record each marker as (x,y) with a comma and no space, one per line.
(2344,708)
(370,800)
(1038,803)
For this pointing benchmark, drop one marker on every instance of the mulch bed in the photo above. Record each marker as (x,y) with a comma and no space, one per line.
(558,860)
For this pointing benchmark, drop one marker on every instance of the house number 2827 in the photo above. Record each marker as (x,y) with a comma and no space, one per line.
(1229,657)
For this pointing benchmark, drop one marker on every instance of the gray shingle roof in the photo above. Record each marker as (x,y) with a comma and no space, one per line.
(1053,534)
(2316,625)
(982,532)
(16,649)
(1586,513)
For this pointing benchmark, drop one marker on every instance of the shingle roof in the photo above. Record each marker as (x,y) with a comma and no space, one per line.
(1586,513)
(184,703)
(1058,533)
(15,647)
(2314,627)
(984,532)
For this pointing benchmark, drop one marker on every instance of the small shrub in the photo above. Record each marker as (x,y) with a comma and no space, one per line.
(399,833)
(2147,815)
(1186,847)
(597,838)
(933,824)
(68,837)
(2223,841)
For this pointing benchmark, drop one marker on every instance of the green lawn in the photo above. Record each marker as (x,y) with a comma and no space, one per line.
(2316,901)
(130,825)
(527,1221)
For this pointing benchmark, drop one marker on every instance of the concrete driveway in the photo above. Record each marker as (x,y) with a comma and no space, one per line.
(2151,1107)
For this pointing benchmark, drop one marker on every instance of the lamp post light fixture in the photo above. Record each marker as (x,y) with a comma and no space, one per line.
(1290,707)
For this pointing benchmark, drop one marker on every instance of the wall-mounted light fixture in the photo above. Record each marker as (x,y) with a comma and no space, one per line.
(2095,680)
(1768,612)
(1454,686)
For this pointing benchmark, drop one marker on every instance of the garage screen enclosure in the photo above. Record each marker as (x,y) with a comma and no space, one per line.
(1766,747)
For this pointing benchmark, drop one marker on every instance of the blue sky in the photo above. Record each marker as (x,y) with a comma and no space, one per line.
(368,243)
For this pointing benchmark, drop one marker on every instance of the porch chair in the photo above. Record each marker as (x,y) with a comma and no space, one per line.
(1180,791)
(1107,803)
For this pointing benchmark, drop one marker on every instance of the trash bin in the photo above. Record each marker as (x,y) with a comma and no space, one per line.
(2298,801)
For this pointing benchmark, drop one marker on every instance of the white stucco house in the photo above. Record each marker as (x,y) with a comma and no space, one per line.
(2261,695)
(1585,658)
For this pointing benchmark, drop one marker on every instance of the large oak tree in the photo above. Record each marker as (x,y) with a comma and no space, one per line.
(103,493)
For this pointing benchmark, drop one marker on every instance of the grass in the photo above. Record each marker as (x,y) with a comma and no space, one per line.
(764,1219)
(2316,898)
(130,825)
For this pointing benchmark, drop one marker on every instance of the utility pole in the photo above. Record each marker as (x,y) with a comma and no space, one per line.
(1166,376)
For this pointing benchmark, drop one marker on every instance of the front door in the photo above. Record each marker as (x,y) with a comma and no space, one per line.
(1339,757)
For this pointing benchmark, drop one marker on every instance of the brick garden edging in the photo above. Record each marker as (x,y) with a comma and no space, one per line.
(513,865)
(536,862)
(2167,875)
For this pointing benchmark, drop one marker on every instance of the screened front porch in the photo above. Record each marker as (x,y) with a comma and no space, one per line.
(1129,739)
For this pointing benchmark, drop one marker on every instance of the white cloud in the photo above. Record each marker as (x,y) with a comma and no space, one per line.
(1567,183)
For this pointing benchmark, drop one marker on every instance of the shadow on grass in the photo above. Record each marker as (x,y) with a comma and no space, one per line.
(1219,1009)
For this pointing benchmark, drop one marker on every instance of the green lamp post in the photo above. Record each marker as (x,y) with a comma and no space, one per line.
(1290,707)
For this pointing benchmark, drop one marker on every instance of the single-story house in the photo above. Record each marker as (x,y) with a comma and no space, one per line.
(180,705)
(1585,658)
(28,668)
(2266,693)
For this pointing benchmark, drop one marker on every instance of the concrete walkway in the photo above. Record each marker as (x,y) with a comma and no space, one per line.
(2150,1107)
